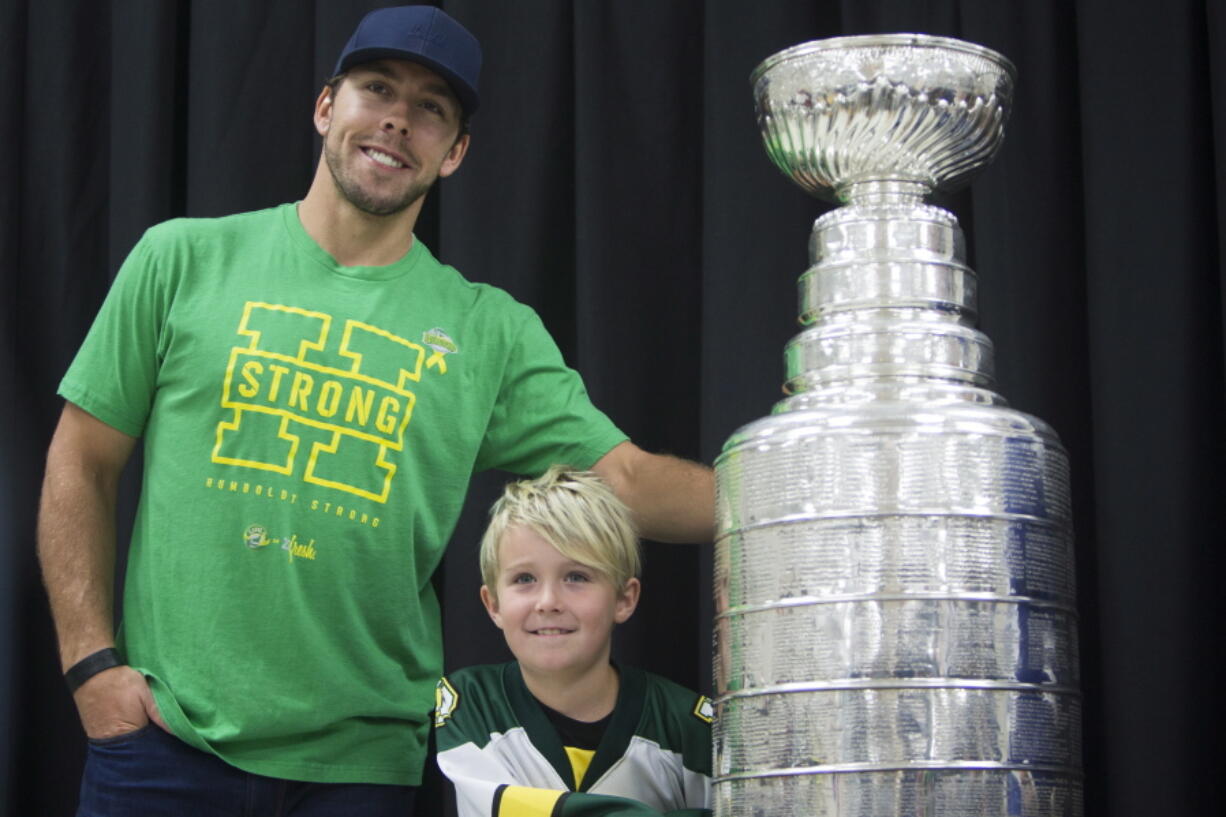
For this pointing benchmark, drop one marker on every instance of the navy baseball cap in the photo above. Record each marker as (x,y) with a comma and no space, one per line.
(423,34)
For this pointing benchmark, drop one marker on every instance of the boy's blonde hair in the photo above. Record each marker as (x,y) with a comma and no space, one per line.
(576,513)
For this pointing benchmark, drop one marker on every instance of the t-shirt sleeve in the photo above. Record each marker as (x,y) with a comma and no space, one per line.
(543,414)
(114,375)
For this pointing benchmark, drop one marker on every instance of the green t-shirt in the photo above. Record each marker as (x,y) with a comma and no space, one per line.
(310,432)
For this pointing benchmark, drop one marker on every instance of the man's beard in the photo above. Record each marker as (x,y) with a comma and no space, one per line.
(362,199)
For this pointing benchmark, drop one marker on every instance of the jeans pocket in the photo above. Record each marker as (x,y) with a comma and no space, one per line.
(123,737)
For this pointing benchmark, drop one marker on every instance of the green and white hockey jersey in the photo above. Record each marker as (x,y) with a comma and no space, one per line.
(505,757)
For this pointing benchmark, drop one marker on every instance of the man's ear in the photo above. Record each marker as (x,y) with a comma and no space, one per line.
(491,606)
(627,601)
(323,111)
(451,162)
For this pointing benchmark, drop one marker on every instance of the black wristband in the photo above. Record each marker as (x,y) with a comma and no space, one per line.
(91,665)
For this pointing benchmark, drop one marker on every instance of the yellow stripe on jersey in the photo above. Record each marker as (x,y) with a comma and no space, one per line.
(580,759)
(521,801)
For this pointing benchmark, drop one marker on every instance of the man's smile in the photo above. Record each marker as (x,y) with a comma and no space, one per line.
(383,157)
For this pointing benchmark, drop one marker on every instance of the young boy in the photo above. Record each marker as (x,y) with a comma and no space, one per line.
(562,730)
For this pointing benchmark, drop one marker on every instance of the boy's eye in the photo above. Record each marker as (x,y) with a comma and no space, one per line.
(578,576)
(522,578)
(376,87)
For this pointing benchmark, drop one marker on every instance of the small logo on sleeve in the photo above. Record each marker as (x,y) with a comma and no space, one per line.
(704,710)
(445,701)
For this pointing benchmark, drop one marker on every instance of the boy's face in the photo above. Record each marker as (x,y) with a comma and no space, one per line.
(556,614)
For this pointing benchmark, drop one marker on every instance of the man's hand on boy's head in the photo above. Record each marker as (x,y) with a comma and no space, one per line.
(673,500)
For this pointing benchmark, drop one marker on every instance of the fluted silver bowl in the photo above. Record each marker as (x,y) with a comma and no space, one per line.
(912,108)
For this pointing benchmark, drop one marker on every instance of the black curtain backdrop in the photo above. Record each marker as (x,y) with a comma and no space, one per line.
(617,183)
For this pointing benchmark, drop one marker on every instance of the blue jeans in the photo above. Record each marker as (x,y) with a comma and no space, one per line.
(149,773)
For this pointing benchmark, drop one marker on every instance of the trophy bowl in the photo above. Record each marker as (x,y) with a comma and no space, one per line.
(920,113)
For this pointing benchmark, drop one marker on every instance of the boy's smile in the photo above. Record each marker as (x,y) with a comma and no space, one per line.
(557,614)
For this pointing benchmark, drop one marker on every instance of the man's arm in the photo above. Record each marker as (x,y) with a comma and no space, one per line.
(76,548)
(673,500)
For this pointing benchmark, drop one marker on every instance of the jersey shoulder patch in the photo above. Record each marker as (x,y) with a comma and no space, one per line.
(704,710)
(446,699)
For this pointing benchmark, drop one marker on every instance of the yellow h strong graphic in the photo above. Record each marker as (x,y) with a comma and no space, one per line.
(295,388)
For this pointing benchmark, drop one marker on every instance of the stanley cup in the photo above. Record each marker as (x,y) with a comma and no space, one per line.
(895,625)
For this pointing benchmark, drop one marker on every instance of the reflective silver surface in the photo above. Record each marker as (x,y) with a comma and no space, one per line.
(902,107)
(896,631)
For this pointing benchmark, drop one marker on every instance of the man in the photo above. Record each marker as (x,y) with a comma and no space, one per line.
(314,391)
